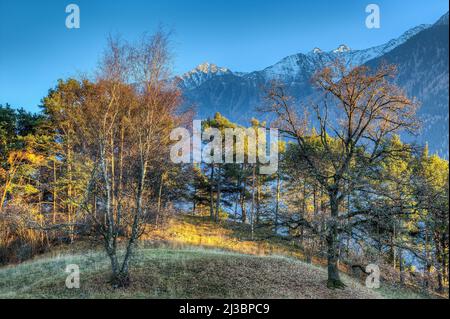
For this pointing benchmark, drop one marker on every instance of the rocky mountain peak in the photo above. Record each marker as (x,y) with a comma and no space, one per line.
(207,67)
(341,49)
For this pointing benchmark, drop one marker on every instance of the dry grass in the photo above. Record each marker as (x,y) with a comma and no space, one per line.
(188,231)
(191,257)
(198,231)
(161,273)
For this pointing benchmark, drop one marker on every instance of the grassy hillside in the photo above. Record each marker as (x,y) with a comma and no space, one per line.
(173,273)
(190,258)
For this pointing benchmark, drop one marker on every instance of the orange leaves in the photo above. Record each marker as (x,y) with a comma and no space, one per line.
(21,157)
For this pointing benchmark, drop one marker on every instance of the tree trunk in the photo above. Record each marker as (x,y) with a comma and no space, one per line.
(69,191)
(211,193)
(426,282)
(116,276)
(439,265)
(252,219)
(236,202)
(444,257)
(194,202)
(122,278)
(303,212)
(161,183)
(216,216)
(334,280)
(394,249)
(54,191)
(332,238)
(160,191)
(258,200)
(277,204)
(400,265)
(243,208)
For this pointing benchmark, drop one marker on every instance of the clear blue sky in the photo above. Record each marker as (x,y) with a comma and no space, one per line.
(36,48)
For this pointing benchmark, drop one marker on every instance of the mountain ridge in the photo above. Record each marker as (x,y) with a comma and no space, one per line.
(208,70)
(236,95)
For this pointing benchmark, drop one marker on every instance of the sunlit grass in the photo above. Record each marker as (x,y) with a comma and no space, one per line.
(200,231)
(192,257)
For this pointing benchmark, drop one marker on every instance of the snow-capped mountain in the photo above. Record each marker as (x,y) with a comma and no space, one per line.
(423,72)
(236,95)
(202,73)
(289,67)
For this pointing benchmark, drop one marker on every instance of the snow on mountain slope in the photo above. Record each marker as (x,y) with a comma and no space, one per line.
(290,66)
(200,74)
(419,52)
(217,89)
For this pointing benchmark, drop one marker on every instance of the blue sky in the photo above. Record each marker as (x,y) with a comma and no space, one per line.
(36,48)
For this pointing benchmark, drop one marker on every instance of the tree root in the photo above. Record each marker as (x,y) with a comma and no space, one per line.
(120,281)
(335,284)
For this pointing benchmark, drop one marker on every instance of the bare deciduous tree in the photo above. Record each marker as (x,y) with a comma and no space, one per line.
(358,112)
